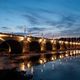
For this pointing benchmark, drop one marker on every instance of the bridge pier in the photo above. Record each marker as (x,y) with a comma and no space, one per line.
(25,45)
(71,45)
(74,45)
(78,45)
(62,45)
(54,48)
(43,46)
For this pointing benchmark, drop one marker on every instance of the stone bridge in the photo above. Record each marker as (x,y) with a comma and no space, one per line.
(17,44)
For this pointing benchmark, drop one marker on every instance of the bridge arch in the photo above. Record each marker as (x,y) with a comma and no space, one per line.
(34,46)
(48,46)
(4,47)
(57,45)
(15,46)
(1,40)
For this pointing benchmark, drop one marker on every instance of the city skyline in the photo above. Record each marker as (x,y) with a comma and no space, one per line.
(50,17)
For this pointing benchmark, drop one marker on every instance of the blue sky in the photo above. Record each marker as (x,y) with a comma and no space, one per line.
(51,17)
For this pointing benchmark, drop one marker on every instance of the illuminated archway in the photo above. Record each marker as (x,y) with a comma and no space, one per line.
(16,47)
(4,47)
(1,40)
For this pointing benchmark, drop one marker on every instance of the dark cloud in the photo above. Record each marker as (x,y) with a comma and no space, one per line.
(45,11)
(34,16)
(71,31)
(66,21)
(35,29)
(69,20)
(31,19)
(5,28)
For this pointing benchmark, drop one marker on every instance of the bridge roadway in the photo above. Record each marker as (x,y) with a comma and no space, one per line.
(19,44)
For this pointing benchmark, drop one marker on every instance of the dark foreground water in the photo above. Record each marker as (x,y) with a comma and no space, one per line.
(63,66)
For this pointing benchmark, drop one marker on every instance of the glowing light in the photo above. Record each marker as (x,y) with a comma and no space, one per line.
(29,39)
(21,38)
(61,56)
(60,42)
(52,58)
(42,48)
(22,67)
(66,55)
(71,43)
(66,42)
(71,53)
(11,35)
(44,60)
(77,51)
(28,65)
(41,61)
(44,41)
(74,52)
(55,57)
(3,35)
(74,43)
(40,40)
(79,43)
(52,41)
(2,39)
(9,49)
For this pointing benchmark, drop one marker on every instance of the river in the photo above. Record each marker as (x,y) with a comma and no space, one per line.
(63,65)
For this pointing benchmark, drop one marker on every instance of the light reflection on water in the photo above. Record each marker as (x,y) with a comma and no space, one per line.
(28,60)
(62,70)
(41,64)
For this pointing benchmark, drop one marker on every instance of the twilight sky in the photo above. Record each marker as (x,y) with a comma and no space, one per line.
(60,17)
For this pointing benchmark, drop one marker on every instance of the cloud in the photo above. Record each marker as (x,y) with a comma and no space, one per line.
(63,23)
(74,32)
(66,24)
(4,28)
(43,16)
(36,29)
(31,19)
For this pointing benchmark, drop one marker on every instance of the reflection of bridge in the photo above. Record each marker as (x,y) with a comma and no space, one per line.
(30,60)
(20,44)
